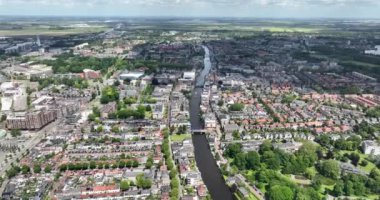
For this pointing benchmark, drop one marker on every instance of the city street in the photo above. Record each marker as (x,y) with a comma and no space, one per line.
(29,143)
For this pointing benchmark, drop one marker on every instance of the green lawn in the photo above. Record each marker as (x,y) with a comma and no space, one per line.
(239,197)
(148,115)
(326,181)
(252,197)
(364,64)
(47,31)
(368,167)
(180,138)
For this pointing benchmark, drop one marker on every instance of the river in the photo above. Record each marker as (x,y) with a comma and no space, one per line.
(206,163)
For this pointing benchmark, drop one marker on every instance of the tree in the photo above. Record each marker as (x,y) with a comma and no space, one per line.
(306,194)
(253,160)
(348,188)
(3,117)
(355,158)
(365,130)
(329,168)
(375,173)
(236,135)
(220,103)
(109,94)
(316,184)
(15,132)
(351,90)
(338,189)
(174,193)
(92,164)
(135,163)
(307,154)
(48,168)
(99,129)
(63,167)
(271,160)
(236,107)
(143,182)
(324,140)
(279,192)
(240,161)
(233,149)
(115,129)
(149,162)
(373,112)
(116,83)
(265,146)
(13,171)
(37,168)
(124,185)
(25,169)
(174,183)
(173,173)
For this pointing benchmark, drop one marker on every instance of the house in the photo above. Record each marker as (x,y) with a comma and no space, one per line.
(251,146)
(230,180)
(210,121)
(158,111)
(101,191)
(107,109)
(288,146)
(193,178)
(91,74)
(202,190)
(230,128)
(189,197)
(228,137)
(371,147)
(243,192)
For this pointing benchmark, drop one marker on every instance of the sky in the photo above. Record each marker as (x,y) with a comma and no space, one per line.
(196,8)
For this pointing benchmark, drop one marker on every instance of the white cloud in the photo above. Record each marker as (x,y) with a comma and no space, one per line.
(261,8)
(195,2)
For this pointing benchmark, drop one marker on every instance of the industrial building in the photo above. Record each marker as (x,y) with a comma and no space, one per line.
(126,75)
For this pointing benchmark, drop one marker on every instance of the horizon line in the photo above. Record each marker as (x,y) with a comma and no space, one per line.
(188,17)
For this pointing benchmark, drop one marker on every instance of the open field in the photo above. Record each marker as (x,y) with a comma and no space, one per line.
(50,31)
(180,138)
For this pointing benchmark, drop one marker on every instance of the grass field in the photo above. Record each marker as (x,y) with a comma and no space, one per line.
(54,32)
(368,168)
(364,64)
(262,28)
(180,138)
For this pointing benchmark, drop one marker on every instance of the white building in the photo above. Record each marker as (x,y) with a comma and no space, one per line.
(31,71)
(189,75)
(371,147)
(375,51)
(288,146)
(131,75)
(14,97)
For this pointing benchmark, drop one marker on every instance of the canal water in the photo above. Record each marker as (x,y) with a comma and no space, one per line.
(206,163)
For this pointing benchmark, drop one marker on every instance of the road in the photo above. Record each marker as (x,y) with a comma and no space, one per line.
(36,138)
